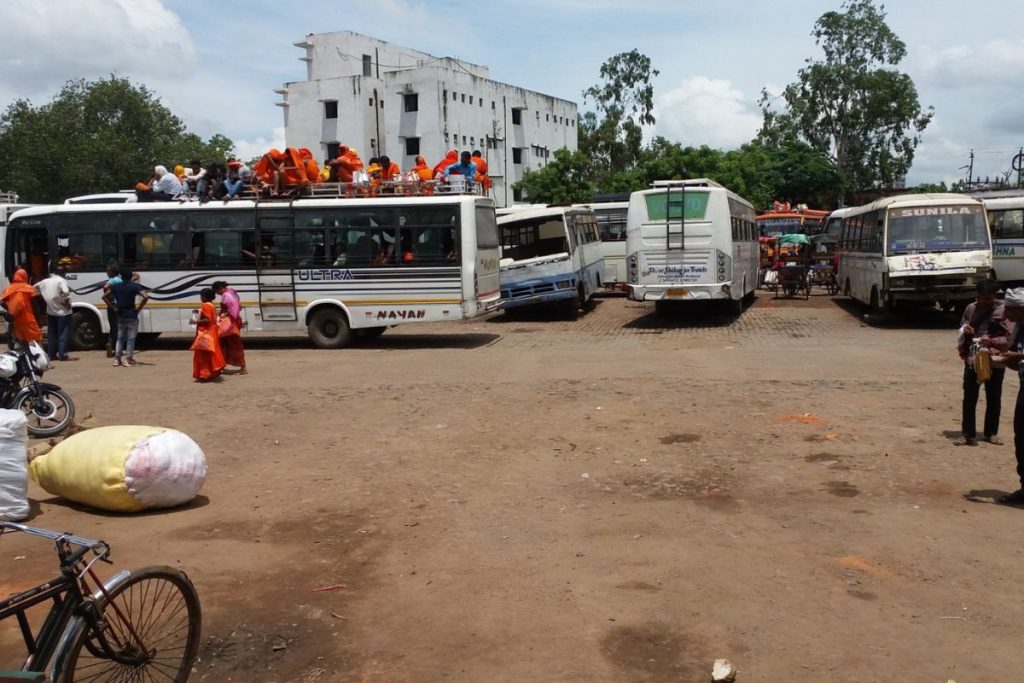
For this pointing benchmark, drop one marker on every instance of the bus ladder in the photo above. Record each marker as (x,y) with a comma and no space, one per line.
(675,198)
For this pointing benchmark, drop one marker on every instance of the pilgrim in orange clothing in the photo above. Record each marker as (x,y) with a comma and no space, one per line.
(207,357)
(389,169)
(451,158)
(422,170)
(18,300)
(348,162)
(481,170)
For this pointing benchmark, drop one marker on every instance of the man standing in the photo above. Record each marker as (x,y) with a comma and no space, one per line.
(1014,309)
(123,295)
(57,295)
(984,322)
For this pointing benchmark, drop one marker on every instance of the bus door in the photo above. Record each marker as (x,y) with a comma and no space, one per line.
(275,274)
(675,221)
(28,246)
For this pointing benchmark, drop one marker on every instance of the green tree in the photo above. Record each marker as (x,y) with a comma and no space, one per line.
(565,180)
(94,137)
(612,137)
(853,105)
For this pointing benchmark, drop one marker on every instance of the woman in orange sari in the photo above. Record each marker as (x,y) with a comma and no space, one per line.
(207,358)
(422,170)
(18,300)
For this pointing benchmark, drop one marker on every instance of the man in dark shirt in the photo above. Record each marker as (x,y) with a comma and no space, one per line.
(123,295)
(984,321)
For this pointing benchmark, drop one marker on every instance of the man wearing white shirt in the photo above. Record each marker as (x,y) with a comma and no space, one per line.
(57,294)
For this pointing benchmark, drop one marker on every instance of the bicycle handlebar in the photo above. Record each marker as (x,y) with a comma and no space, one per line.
(58,537)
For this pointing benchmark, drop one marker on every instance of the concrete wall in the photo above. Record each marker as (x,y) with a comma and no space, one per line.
(458,107)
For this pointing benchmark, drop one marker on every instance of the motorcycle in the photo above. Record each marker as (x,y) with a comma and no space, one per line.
(49,410)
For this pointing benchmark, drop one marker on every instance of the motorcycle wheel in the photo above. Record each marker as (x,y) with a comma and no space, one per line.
(48,416)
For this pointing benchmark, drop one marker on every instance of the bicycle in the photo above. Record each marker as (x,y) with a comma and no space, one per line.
(139,625)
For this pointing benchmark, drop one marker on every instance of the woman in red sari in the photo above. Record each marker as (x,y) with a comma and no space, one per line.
(231,339)
(18,300)
(207,358)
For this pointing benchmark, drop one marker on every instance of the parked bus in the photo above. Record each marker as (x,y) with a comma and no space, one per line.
(923,248)
(787,222)
(833,223)
(334,267)
(611,224)
(550,255)
(691,240)
(1006,219)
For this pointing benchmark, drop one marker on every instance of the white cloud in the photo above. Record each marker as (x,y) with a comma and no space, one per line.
(994,63)
(705,111)
(48,43)
(248,149)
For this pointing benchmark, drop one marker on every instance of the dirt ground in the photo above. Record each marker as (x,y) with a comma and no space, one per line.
(626,497)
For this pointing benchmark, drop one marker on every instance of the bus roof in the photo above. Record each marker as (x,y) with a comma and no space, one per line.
(541,212)
(690,182)
(251,204)
(903,200)
(1006,202)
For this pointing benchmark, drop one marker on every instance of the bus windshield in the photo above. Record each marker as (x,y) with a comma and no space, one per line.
(937,228)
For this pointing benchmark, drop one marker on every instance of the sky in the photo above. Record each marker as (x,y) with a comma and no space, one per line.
(216,64)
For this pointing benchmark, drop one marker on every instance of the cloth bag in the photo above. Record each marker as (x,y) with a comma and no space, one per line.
(13,466)
(123,468)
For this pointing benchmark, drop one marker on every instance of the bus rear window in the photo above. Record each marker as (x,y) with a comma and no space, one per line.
(692,207)
(486,228)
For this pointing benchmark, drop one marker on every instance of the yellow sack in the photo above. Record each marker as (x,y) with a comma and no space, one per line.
(123,468)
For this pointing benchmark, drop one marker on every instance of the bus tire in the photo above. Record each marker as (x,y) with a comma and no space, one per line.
(846,287)
(875,305)
(571,308)
(735,307)
(587,303)
(328,328)
(86,333)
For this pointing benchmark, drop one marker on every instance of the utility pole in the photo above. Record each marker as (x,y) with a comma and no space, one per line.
(970,172)
(1018,164)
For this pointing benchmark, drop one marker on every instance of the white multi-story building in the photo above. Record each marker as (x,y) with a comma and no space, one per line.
(383,99)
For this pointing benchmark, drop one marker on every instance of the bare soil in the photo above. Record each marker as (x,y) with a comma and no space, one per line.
(626,497)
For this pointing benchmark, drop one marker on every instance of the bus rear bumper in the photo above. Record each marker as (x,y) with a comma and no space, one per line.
(697,292)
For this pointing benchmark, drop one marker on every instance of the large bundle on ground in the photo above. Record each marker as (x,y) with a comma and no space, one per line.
(13,466)
(123,468)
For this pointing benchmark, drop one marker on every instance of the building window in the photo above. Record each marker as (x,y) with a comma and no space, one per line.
(371,101)
(517,117)
(547,117)
(411,102)
(463,139)
(455,96)
(463,98)
(367,65)
(492,104)
(538,115)
(517,155)
(333,149)
(471,99)
(481,100)
(517,194)
(381,103)
(331,109)
(412,146)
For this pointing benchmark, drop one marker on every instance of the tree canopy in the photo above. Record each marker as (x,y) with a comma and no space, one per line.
(96,136)
(853,105)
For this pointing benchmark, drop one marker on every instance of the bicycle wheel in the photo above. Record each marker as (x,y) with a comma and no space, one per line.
(149,630)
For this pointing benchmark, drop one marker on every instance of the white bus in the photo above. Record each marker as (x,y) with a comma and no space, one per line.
(833,223)
(691,240)
(1006,219)
(550,255)
(334,267)
(925,248)
(611,224)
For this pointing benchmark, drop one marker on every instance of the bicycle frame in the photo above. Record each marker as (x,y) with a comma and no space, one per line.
(73,602)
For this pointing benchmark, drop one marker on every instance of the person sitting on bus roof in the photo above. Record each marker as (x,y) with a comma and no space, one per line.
(348,162)
(373,170)
(465,167)
(196,178)
(422,171)
(481,170)
(451,158)
(388,168)
(162,188)
(233,182)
